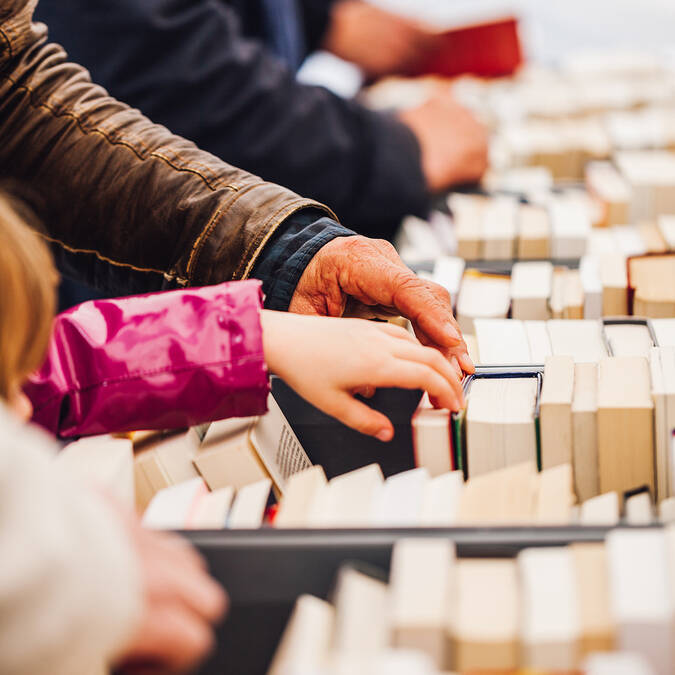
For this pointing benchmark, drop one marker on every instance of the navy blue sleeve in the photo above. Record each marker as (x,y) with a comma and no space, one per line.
(186,65)
(288,253)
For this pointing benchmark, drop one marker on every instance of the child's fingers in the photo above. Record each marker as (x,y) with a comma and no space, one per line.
(359,416)
(398,332)
(435,360)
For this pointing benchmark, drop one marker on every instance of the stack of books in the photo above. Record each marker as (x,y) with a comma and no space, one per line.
(596,608)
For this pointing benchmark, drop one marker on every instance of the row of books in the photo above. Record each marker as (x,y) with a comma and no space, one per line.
(601,609)
(537,291)
(561,225)
(517,495)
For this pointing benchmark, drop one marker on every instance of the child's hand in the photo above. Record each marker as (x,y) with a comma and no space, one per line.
(327,361)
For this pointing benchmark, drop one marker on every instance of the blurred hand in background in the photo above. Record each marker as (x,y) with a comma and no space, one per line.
(379,42)
(453,142)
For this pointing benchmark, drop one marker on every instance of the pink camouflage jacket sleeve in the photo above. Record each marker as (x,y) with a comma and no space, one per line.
(158,361)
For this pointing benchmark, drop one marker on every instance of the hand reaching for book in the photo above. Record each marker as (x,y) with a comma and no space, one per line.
(327,361)
(370,276)
(181,603)
(453,142)
(380,42)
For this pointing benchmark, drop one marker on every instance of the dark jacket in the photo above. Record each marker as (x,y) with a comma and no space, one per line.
(201,67)
(127,205)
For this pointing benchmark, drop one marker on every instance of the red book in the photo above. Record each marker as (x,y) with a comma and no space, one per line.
(489,49)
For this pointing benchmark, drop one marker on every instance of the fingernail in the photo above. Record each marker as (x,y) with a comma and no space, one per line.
(384,435)
(452,332)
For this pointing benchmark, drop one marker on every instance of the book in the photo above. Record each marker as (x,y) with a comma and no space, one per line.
(629,240)
(534,233)
(503,496)
(482,296)
(347,500)
(500,423)
(306,640)
(468,213)
(399,501)
(539,341)
(653,239)
(485,623)
(651,279)
(487,48)
(590,569)
(557,298)
(555,411)
(614,284)
(662,371)
(602,510)
(212,510)
(172,507)
(102,461)
(227,458)
(163,459)
(580,339)
(666,228)
(611,189)
(277,445)
(628,339)
(416,240)
(500,228)
(570,227)
(573,295)
(302,490)
(502,342)
(531,286)
(638,509)
(625,424)
(362,628)
(638,572)
(248,509)
(555,496)
(550,623)
(589,271)
(432,445)
(664,331)
(422,583)
(616,663)
(448,272)
(442,495)
(585,430)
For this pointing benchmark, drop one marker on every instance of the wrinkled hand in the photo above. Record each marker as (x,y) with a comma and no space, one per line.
(454,144)
(327,361)
(379,42)
(181,603)
(370,275)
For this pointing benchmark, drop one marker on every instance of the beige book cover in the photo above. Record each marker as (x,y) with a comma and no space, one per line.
(625,424)
(302,491)
(534,233)
(307,638)
(531,288)
(484,627)
(432,445)
(592,590)
(555,411)
(422,583)
(585,431)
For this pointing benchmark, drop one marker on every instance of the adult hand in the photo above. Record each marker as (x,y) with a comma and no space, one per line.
(454,144)
(181,603)
(379,42)
(370,275)
(327,361)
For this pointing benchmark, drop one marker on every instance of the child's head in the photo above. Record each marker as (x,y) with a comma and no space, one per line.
(27,302)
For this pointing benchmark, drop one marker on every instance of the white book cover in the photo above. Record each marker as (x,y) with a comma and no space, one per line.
(399,500)
(172,507)
(502,342)
(248,509)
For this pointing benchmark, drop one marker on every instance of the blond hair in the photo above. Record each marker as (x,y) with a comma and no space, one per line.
(27,298)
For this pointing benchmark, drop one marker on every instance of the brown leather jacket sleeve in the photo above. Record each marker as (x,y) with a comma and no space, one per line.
(126,203)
